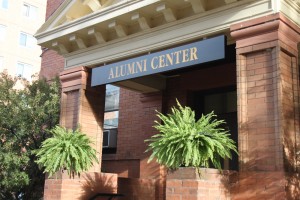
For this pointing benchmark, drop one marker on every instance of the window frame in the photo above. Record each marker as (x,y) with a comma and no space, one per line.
(4,2)
(111,150)
(109,93)
(25,74)
(29,40)
(31,11)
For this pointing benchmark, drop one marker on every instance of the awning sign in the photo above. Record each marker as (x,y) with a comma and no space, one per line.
(175,58)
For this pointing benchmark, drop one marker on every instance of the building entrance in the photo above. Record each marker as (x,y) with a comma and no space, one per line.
(223,101)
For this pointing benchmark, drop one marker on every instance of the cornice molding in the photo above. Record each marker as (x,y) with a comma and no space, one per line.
(54,16)
(91,19)
(297,2)
(193,28)
(271,29)
(251,31)
(291,9)
(94,27)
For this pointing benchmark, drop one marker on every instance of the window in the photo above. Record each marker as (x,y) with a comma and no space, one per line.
(4,4)
(2,32)
(111,118)
(27,40)
(24,70)
(111,114)
(29,11)
(112,98)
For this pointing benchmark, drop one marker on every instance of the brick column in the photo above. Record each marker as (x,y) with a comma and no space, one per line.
(268,107)
(83,106)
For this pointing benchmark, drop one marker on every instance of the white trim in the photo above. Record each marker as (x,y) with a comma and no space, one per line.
(276,5)
(55,16)
(101,15)
(293,14)
(193,28)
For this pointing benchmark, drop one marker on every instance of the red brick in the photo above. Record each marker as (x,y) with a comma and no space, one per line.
(190,183)
(174,197)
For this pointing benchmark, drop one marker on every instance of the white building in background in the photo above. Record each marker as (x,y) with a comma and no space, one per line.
(19,20)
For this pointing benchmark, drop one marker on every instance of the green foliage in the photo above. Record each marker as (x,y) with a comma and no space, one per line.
(26,115)
(67,149)
(183,141)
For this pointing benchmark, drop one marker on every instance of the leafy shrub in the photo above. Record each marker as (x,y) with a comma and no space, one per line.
(67,149)
(183,141)
(28,110)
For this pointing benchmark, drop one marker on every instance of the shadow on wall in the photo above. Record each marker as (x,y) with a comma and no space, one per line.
(138,189)
(207,183)
(294,186)
(291,159)
(260,178)
(94,183)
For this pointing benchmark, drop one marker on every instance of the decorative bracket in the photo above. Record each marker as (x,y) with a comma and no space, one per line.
(167,12)
(197,5)
(120,29)
(98,36)
(78,41)
(143,22)
(60,47)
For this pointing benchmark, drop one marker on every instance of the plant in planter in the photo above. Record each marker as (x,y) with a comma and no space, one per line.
(66,150)
(183,141)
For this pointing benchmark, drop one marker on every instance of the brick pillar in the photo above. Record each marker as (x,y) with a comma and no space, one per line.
(268,107)
(83,106)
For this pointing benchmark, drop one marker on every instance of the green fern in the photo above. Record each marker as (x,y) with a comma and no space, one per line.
(67,149)
(183,141)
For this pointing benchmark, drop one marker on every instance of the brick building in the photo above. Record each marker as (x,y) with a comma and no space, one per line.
(19,52)
(239,58)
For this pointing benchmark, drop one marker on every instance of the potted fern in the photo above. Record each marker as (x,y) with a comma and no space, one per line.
(184,142)
(187,147)
(66,150)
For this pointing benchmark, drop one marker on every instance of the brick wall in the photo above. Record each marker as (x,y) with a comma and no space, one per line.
(259,185)
(52,64)
(289,95)
(137,113)
(52,5)
(138,189)
(259,134)
(187,184)
(124,168)
(132,131)
(81,188)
